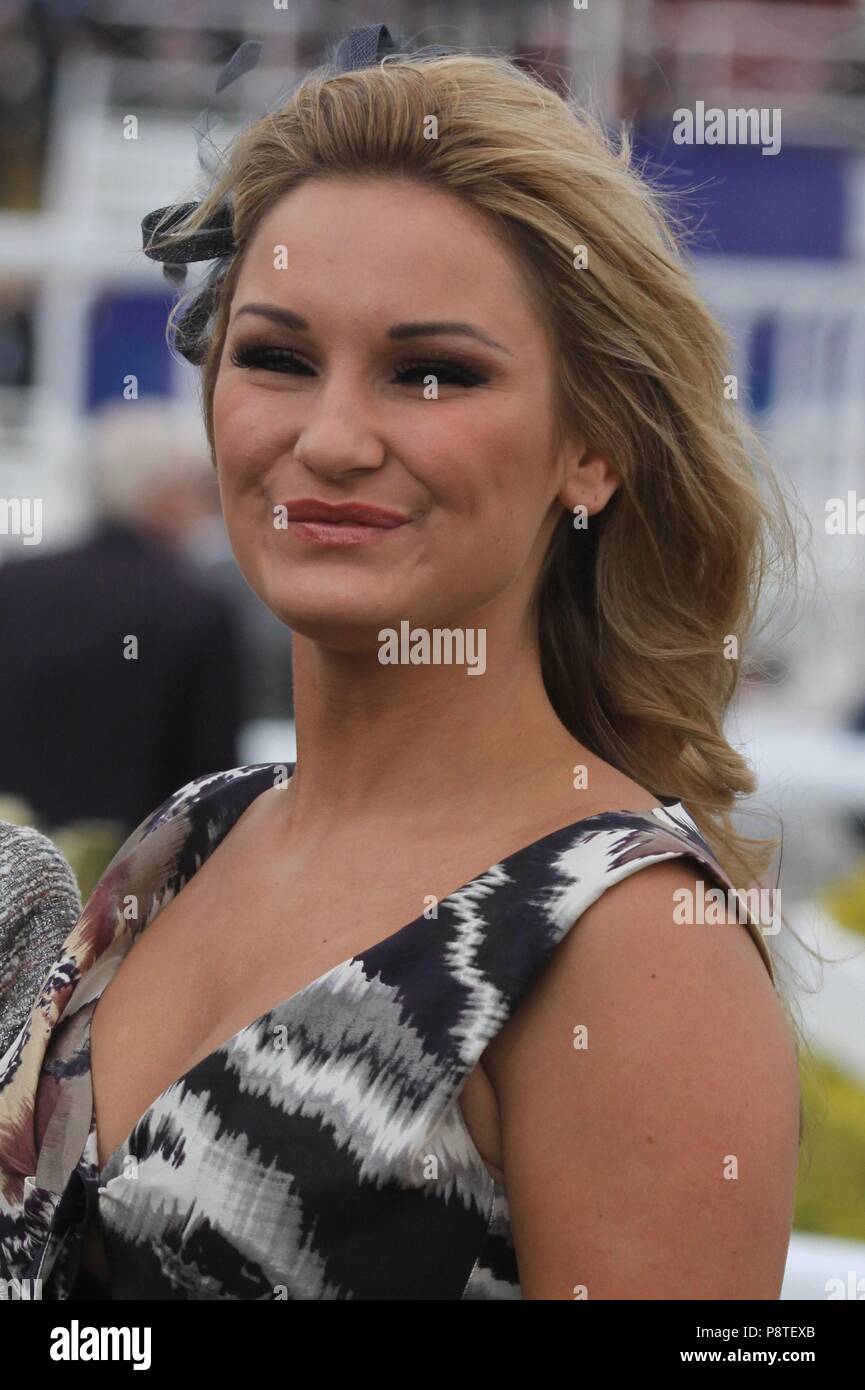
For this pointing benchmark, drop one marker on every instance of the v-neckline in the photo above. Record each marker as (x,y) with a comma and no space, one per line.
(503,863)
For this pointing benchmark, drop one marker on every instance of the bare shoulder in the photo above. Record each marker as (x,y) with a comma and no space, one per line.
(649,1106)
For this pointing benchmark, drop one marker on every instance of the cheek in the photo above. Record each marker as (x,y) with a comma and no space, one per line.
(245,428)
(489,467)
(486,506)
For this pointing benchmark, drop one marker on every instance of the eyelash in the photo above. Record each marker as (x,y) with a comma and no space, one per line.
(266,357)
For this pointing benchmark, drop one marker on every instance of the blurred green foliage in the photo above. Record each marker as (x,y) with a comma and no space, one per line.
(845,900)
(15,810)
(89,845)
(830,1196)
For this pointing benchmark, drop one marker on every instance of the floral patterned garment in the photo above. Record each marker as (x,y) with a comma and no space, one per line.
(319,1153)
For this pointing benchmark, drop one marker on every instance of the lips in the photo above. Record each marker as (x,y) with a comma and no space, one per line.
(343,513)
(336,525)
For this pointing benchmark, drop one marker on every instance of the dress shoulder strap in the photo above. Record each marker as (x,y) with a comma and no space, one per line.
(617,844)
(492,938)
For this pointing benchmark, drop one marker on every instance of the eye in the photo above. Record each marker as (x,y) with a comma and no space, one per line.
(271,358)
(442,368)
(447,370)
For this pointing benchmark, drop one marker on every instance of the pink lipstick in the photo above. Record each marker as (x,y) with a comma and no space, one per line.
(340,523)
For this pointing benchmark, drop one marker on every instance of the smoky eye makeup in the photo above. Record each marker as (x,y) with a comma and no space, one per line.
(411,368)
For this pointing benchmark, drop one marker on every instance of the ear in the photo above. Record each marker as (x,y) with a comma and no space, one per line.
(589,478)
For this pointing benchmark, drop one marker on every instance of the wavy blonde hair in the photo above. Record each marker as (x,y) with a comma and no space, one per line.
(637,615)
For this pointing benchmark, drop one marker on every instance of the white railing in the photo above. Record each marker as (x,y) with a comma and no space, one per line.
(814,426)
(823,1267)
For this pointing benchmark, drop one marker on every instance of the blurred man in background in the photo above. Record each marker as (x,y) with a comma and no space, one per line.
(122,666)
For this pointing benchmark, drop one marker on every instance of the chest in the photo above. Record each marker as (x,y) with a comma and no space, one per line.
(244,934)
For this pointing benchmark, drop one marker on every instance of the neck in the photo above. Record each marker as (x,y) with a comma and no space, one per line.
(408,741)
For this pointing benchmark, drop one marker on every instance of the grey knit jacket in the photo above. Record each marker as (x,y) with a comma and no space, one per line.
(39,905)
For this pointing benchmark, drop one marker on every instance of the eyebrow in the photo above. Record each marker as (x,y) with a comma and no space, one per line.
(398,331)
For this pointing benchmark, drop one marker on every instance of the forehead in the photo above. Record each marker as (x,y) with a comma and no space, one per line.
(374,238)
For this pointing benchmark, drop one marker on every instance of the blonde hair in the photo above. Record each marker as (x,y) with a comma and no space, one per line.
(637,614)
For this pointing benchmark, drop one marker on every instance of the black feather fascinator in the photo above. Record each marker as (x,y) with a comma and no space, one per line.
(362,47)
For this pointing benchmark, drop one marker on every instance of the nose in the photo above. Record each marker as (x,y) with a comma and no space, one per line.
(339,433)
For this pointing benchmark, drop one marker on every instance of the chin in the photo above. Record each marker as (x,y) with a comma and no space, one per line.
(348,614)
(345,621)
(339,633)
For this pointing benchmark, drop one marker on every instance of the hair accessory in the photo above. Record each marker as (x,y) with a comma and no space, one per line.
(364,46)
(361,47)
(203,245)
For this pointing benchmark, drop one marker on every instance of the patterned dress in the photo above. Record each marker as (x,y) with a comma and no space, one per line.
(321,1152)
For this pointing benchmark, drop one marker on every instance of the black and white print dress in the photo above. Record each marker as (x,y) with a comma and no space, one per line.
(321,1152)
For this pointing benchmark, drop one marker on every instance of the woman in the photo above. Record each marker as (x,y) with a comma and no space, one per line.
(468,419)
